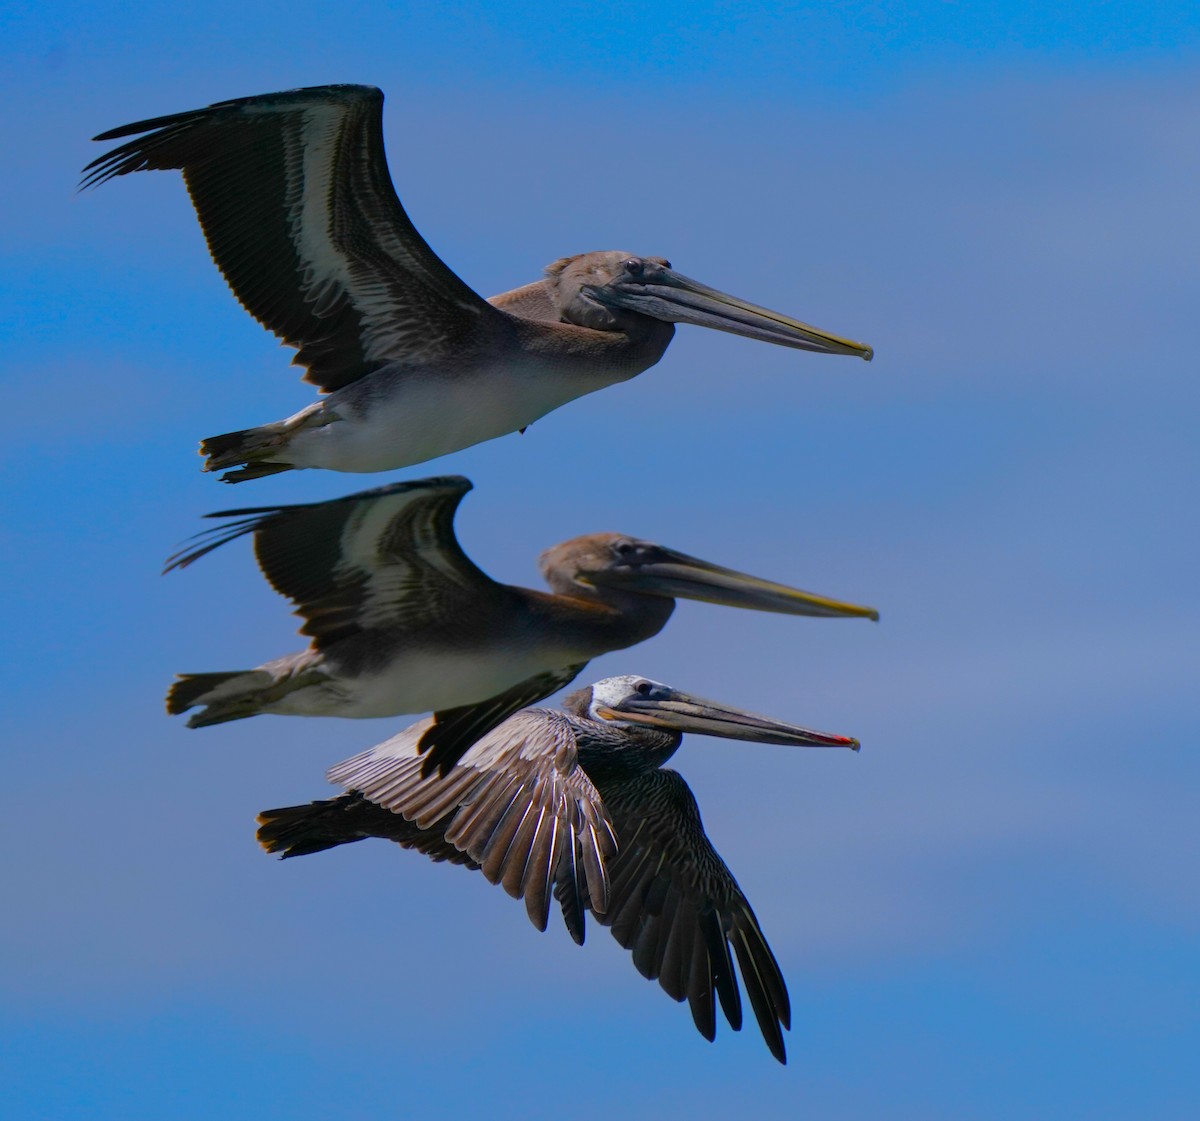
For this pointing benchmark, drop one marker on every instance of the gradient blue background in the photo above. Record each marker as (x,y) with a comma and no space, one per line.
(992,912)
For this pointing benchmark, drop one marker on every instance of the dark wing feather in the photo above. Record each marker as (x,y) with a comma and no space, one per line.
(518,804)
(385,557)
(454,730)
(676,906)
(293,193)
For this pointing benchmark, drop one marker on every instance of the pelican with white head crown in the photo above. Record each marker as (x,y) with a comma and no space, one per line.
(576,804)
(401,621)
(293,194)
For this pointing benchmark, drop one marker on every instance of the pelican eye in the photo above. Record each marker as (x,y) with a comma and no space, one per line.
(643,688)
(626,549)
(635,266)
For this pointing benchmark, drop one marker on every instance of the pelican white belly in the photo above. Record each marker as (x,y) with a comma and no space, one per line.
(395,418)
(419,682)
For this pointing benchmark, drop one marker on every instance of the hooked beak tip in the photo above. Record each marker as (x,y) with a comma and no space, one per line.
(839,741)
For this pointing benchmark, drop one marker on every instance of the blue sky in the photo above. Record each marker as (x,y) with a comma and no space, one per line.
(991,912)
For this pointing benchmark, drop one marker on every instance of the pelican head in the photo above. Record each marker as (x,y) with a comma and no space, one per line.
(640,701)
(600,290)
(598,561)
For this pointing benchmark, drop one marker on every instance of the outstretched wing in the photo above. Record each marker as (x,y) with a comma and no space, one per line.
(453,730)
(380,558)
(677,907)
(518,804)
(293,193)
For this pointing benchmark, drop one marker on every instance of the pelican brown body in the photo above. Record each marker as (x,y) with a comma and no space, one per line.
(576,803)
(401,621)
(293,193)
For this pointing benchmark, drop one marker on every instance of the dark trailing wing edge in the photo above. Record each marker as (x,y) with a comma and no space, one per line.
(293,194)
(676,906)
(454,730)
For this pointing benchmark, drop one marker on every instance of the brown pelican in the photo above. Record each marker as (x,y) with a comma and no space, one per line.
(401,621)
(293,193)
(539,805)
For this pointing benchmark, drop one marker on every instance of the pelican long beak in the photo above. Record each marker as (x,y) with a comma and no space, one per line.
(665,294)
(668,573)
(681,712)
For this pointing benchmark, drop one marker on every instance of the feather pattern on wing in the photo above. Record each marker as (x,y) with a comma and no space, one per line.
(293,193)
(518,803)
(379,558)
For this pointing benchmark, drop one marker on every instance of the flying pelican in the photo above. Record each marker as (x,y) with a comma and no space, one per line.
(542,802)
(293,193)
(401,621)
